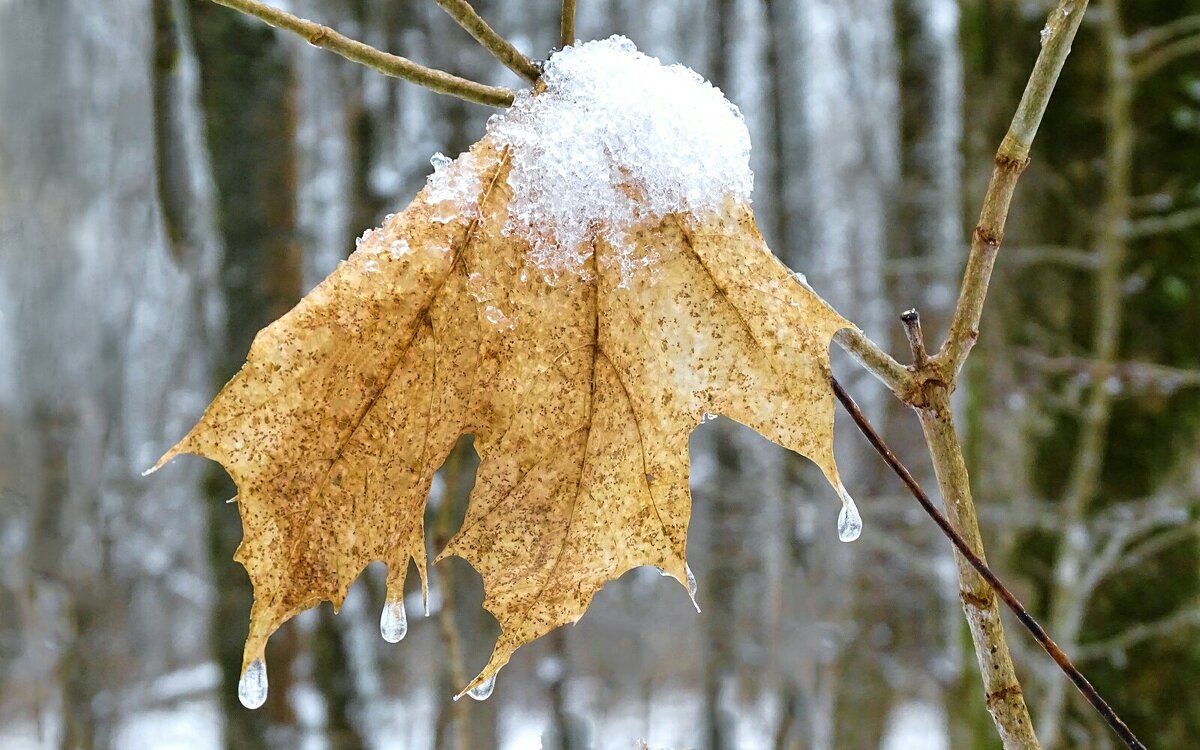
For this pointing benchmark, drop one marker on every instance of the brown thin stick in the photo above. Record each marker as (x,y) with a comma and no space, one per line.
(466,17)
(566,36)
(363,54)
(1010,599)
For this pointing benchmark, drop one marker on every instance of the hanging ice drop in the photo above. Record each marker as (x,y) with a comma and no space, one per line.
(849,521)
(691,585)
(393,623)
(483,690)
(252,687)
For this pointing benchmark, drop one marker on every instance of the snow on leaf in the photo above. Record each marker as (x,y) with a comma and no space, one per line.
(654,301)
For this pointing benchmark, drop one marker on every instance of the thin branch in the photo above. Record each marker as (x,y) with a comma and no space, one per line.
(566,36)
(1173,222)
(1184,618)
(1141,552)
(1156,35)
(503,50)
(1010,599)
(363,54)
(1053,255)
(457,720)
(1119,555)
(1165,55)
(1011,159)
(1069,594)
(1134,376)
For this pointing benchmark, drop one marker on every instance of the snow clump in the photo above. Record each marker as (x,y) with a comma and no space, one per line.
(612,140)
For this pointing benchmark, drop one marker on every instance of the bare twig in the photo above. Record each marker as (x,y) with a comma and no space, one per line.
(1165,55)
(1011,159)
(1054,255)
(1139,553)
(1188,617)
(513,59)
(1069,592)
(566,36)
(363,54)
(1177,221)
(458,718)
(964,549)
(1156,35)
(1129,376)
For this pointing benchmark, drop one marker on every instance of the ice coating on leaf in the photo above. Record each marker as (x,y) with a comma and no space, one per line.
(610,140)
(453,189)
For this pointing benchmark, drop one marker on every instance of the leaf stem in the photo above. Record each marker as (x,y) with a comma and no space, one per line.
(566,36)
(363,54)
(876,361)
(503,50)
(964,549)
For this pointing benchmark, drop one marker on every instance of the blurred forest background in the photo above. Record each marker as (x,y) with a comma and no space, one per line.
(173,176)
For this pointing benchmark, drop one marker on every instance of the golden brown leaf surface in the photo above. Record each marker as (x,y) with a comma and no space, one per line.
(581,395)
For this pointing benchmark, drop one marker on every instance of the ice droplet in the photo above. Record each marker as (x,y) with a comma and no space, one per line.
(849,521)
(1045,34)
(691,585)
(393,623)
(252,687)
(439,161)
(483,690)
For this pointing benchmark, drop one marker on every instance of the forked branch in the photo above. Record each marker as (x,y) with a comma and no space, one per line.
(364,54)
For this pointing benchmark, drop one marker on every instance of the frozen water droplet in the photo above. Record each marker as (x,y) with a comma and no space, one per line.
(849,521)
(393,623)
(691,585)
(440,161)
(252,687)
(483,690)
(1045,34)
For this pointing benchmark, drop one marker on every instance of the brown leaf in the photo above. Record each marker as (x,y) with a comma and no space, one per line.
(581,393)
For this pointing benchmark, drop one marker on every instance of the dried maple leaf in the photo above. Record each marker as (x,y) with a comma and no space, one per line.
(580,351)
